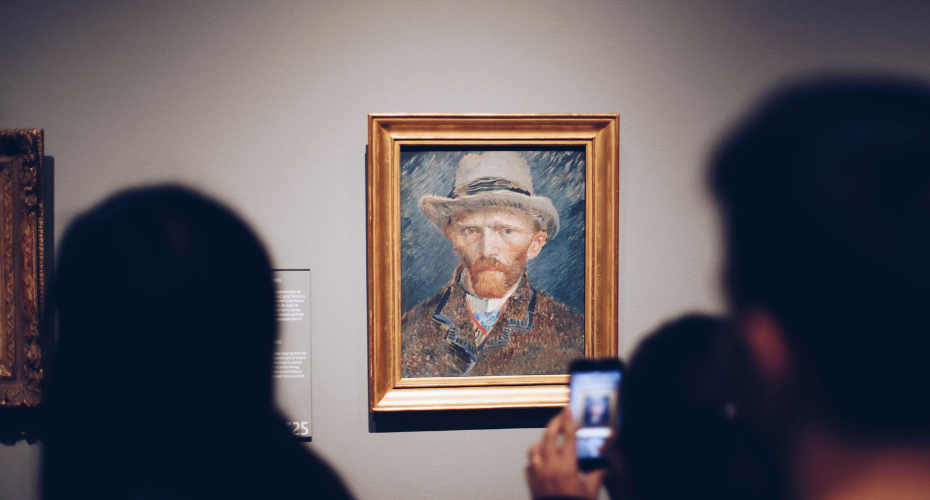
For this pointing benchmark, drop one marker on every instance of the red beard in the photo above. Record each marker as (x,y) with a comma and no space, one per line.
(492,279)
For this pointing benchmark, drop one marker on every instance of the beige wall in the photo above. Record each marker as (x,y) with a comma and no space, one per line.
(263,104)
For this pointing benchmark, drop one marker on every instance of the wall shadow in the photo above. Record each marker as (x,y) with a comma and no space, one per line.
(459,420)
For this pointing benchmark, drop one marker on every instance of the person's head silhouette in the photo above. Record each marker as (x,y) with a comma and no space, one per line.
(682,434)
(825,194)
(161,383)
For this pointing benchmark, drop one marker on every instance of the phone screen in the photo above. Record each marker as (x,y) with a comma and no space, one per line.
(593,403)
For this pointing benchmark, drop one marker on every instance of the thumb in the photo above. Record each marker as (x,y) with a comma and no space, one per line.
(592,482)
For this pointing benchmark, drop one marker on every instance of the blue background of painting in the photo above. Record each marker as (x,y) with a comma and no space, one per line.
(427,257)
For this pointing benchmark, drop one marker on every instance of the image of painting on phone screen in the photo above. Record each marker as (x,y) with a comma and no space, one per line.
(593,402)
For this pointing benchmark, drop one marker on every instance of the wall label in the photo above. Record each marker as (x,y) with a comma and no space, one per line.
(291,370)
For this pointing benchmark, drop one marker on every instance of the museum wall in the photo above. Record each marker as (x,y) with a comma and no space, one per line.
(263,105)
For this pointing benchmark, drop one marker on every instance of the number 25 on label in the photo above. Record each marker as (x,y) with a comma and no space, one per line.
(300,428)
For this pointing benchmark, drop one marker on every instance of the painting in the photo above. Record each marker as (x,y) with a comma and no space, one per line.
(22,270)
(492,261)
(492,245)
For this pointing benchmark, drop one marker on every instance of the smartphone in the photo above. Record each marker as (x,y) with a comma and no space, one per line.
(593,399)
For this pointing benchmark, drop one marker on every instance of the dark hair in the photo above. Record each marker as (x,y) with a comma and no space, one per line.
(825,194)
(680,434)
(161,383)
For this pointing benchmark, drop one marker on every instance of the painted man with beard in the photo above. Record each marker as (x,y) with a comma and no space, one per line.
(489,320)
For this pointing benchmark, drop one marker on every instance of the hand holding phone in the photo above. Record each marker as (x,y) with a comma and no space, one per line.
(556,462)
(553,467)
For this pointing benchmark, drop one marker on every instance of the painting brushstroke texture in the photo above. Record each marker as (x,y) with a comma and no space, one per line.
(492,261)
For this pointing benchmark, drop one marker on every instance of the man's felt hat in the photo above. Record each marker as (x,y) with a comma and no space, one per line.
(492,178)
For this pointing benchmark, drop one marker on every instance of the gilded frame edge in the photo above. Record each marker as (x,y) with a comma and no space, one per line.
(386,131)
(23,207)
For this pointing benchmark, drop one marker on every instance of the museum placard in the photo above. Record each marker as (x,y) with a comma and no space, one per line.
(292,349)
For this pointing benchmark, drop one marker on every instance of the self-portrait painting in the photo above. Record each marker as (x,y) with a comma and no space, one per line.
(492,256)
(492,260)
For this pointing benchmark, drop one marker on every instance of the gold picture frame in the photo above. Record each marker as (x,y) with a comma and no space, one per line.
(22,270)
(597,135)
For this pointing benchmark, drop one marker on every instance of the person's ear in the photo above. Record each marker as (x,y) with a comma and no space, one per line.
(539,241)
(767,346)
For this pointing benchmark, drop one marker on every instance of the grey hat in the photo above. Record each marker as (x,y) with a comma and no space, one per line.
(492,178)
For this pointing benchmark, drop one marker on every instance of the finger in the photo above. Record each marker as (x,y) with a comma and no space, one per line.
(568,429)
(569,419)
(530,473)
(531,479)
(533,451)
(550,436)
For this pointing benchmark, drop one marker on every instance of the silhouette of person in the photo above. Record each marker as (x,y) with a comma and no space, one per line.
(160,387)
(825,196)
(684,432)
(681,434)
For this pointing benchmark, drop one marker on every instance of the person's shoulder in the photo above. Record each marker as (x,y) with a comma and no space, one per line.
(271,464)
(293,468)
